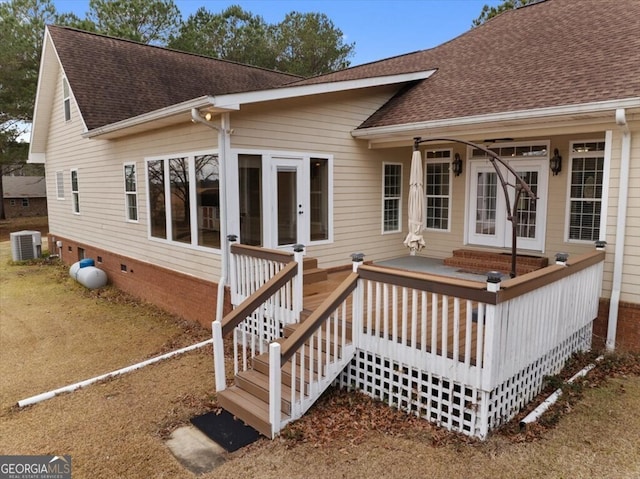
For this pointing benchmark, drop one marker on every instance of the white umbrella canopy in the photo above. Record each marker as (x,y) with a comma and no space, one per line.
(414,240)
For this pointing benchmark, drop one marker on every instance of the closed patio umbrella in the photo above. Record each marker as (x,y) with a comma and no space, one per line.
(414,240)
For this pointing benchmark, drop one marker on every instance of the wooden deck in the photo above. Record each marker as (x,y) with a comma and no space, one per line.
(426,336)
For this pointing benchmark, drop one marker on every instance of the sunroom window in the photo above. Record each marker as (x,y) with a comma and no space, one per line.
(184,199)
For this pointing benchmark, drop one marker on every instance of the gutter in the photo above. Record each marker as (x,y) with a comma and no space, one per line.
(538,113)
(621,226)
(223,147)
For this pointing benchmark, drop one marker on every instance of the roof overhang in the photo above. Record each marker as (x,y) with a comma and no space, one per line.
(223,103)
(518,122)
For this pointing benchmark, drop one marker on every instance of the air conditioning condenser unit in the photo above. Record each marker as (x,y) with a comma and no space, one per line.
(26,245)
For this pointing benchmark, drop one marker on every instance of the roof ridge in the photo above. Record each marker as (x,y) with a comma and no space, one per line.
(173,50)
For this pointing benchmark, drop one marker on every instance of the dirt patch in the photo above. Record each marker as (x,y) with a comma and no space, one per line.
(33,223)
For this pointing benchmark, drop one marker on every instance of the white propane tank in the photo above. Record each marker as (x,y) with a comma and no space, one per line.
(92,277)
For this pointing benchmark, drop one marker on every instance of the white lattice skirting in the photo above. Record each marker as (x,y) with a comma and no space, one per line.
(451,404)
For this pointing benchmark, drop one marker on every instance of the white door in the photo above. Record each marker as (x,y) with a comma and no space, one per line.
(488,219)
(289,208)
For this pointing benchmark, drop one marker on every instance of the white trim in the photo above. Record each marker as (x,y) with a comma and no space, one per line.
(192,198)
(176,109)
(606,178)
(131,193)
(603,213)
(384,197)
(502,236)
(447,161)
(59,184)
(75,200)
(538,113)
(234,100)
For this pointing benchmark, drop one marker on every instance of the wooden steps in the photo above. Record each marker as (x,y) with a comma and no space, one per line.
(482,262)
(311,273)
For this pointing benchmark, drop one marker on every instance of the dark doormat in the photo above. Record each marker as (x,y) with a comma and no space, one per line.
(223,428)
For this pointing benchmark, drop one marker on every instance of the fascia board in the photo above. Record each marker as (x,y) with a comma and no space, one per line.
(233,100)
(536,114)
(201,102)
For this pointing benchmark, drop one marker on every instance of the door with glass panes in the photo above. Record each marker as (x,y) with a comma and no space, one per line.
(488,222)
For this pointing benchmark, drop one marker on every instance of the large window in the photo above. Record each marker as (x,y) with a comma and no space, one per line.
(438,189)
(391,197)
(587,170)
(184,199)
(131,191)
(75,192)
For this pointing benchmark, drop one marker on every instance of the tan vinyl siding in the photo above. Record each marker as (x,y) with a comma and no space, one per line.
(630,290)
(102,219)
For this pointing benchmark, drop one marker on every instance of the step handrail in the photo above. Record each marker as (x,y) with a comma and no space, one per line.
(317,318)
(268,289)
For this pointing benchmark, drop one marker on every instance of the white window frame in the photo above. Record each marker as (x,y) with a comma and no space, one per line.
(192,199)
(60,185)
(605,153)
(441,160)
(269,159)
(66,99)
(75,194)
(396,198)
(502,238)
(131,194)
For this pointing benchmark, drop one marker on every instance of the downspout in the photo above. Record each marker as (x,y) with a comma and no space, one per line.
(223,147)
(621,226)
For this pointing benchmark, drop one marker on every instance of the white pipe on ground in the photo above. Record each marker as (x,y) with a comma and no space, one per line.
(547,403)
(72,387)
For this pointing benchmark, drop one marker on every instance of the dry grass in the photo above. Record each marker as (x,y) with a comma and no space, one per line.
(54,332)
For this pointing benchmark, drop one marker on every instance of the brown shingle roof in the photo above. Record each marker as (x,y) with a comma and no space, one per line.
(556,52)
(113,79)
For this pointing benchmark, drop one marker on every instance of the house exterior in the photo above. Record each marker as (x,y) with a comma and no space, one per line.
(24,196)
(153,157)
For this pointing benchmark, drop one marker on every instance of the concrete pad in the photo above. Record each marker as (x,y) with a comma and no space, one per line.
(195,451)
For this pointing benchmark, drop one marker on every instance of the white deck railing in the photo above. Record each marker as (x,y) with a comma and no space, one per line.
(266,292)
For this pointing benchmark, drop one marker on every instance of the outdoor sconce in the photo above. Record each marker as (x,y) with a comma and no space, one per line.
(456,166)
(555,163)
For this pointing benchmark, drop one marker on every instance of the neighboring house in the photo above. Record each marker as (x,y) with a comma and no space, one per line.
(24,196)
(153,157)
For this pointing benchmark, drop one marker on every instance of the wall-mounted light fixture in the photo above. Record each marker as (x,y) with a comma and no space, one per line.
(456,166)
(555,163)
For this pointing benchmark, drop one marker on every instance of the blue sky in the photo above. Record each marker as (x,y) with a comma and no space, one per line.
(379,28)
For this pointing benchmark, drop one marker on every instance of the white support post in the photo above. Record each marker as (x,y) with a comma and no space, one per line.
(357,313)
(298,256)
(233,272)
(218,356)
(275,388)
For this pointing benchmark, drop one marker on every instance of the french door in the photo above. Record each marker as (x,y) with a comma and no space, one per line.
(288,202)
(488,223)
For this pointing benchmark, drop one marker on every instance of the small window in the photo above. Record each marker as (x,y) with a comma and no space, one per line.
(60,185)
(25,202)
(585,190)
(438,189)
(75,194)
(12,202)
(131,191)
(66,99)
(391,197)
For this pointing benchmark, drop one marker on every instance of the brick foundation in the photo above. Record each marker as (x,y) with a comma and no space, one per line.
(189,297)
(628,330)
